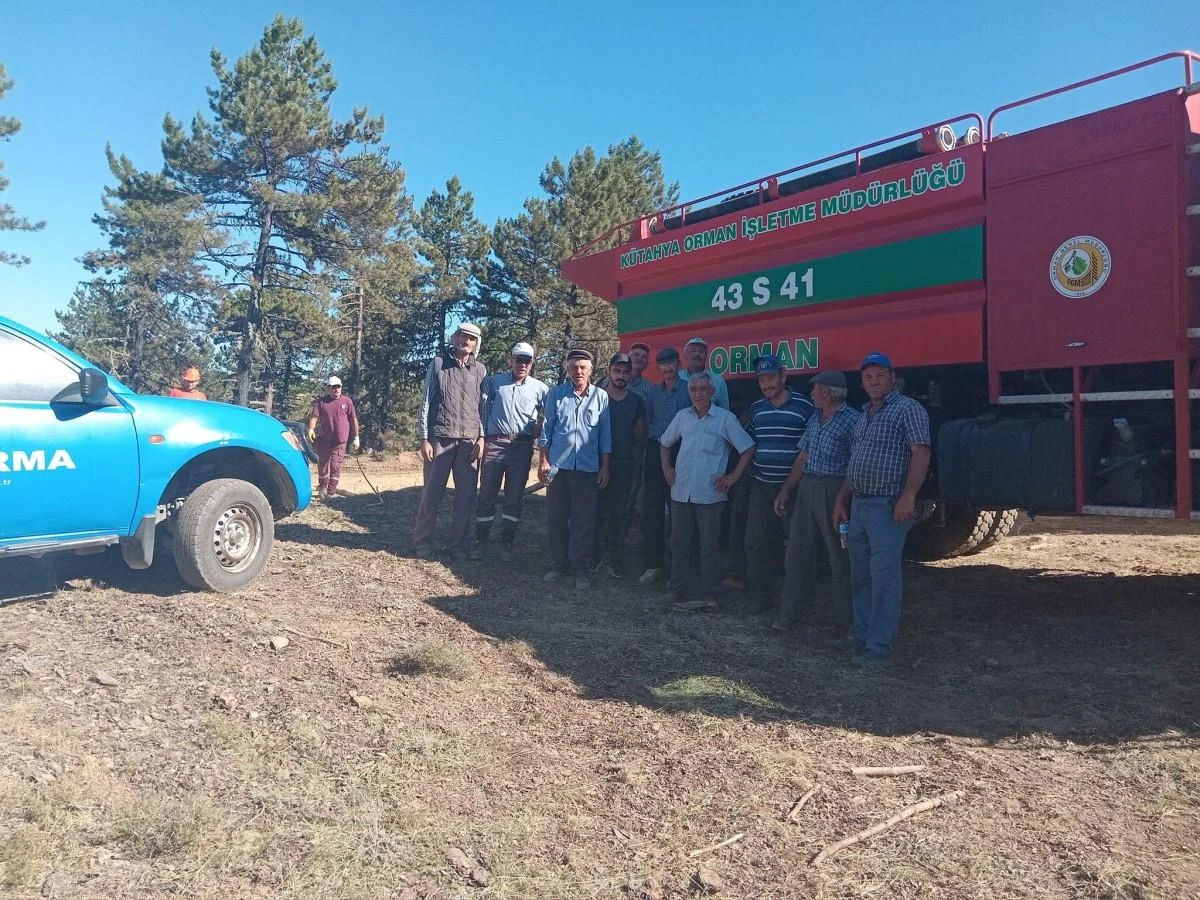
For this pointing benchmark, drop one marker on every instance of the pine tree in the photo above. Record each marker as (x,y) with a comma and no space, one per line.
(280,180)
(9,220)
(524,295)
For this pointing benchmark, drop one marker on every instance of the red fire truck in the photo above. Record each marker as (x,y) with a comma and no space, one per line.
(1039,292)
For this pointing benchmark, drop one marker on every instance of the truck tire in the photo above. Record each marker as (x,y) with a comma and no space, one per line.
(223,535)
(964,530)
(1002,524)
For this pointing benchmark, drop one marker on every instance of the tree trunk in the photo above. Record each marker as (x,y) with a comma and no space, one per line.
(356,365)
(253,317)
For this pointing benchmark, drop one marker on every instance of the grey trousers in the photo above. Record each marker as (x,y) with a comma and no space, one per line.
(506,460)
(687,521)
(449,456)
(812,533)
(765,532)
(571,520)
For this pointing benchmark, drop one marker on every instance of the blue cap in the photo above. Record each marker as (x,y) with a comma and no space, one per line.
(876,359)
(768,362)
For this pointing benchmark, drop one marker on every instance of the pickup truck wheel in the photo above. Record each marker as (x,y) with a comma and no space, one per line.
(223,535)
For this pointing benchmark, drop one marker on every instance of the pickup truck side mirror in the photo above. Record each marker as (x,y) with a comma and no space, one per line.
(93,386)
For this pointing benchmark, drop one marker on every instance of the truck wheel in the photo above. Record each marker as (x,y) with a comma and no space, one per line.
(223,535)
(1002,524)
(964,530)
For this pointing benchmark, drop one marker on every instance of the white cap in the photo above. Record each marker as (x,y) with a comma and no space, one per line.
(333,381)
(471,329)
(523,349)
(697,340)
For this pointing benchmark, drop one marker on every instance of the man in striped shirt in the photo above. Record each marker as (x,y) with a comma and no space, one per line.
(777,423)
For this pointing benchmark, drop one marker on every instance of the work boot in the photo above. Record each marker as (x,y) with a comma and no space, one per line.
(506,553)
(477,552)
(553,575)
(583,583)
(649,576)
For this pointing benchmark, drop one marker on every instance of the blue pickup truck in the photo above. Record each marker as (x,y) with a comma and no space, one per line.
(86,463)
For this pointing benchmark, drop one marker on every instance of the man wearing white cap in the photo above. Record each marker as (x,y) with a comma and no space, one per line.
(512,410)
(695,357)
(331,423)
(450,425)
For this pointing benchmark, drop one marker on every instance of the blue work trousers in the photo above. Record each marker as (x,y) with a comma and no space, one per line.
(876,543)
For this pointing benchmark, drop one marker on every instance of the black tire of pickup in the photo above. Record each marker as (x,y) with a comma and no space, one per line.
(965,529)
(223,535)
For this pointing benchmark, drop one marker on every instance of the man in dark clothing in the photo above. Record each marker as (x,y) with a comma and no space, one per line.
(450,426)
(627,413)
(664,402)
(330,424)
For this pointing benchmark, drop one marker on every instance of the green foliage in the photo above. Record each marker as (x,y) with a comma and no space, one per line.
(291,191)
(9,220)
(524,296)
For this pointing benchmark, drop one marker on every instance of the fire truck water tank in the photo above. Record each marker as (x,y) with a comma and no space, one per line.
(994,463)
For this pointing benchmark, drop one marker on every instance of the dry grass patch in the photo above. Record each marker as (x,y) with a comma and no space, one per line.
(434,658)
(23,854)
(714,695)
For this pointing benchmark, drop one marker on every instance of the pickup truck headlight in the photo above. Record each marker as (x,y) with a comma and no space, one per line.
(293,440)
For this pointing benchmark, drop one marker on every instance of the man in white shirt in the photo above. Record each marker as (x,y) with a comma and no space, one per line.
(699,483)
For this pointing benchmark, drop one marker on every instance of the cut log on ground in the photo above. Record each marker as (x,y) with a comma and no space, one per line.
(725,843)
(907,813)
(884,771)
(799,805)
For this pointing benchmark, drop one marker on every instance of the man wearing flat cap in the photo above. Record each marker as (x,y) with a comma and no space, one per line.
(815,480)
(512,410)
(450,425)
(695,356)
(889,459)
(575,444)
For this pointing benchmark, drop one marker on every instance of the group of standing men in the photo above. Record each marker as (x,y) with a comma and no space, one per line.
(824,480)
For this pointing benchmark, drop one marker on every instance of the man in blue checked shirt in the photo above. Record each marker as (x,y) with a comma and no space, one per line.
(889,459)
(815,480)
(777,423)
(575,445)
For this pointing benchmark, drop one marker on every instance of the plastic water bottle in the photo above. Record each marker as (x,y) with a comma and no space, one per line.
(553,472)
(843,530)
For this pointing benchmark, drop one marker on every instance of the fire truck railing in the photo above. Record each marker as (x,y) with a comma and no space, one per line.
(1187,56)
(767,183)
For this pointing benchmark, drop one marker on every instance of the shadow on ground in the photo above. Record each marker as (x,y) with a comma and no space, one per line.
(989,651)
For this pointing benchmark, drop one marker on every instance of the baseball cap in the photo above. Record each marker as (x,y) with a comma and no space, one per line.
(191,373)
(876,359)
(832,378)
(640,345)
(523,349)
(697,340)
(667,354)
(333,381)
(580,353)
(620,359)
(768,362)
(472,330)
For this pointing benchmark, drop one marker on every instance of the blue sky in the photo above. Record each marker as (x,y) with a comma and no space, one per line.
(728,91)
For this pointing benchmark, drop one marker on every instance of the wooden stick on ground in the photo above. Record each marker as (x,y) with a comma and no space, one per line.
(725,843)
(882,771)
(907,813)
(313,637)
(799,805)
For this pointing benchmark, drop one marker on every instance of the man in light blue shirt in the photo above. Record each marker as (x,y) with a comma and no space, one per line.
(699,483)
(695,354)
(512,410)
(575,445)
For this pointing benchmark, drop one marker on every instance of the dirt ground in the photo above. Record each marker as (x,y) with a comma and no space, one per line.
(363,724)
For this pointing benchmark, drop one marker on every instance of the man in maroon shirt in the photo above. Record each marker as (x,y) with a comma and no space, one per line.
(332,422)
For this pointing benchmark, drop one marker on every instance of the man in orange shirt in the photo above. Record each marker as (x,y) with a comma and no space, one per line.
(191,386)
